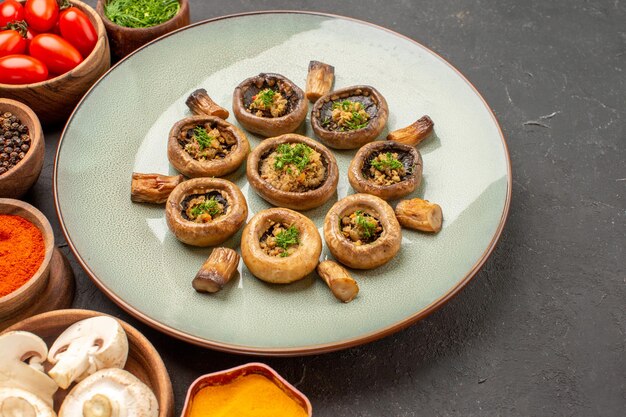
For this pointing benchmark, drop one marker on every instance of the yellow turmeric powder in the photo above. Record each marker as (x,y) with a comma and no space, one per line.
(251,395)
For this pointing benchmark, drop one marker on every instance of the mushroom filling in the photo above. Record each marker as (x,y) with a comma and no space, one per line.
(203,208)
(280,240)
(350,113)
(361,228)
(293,167)
(388,168)
(206,142)
(269,98)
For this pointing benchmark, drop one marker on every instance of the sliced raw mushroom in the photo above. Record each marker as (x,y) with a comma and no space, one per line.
(16,402)
(110,393)
(21,365)
(86,347)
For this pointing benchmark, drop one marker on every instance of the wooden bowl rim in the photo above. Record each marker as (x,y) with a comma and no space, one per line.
(264,369)
(36,135)
(165,396)
(48,237)
(184,5)
(102,39)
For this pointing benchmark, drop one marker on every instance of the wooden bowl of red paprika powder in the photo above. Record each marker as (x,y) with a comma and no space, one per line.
(26,246)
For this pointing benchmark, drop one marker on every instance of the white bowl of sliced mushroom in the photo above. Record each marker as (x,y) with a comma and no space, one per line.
(81,363)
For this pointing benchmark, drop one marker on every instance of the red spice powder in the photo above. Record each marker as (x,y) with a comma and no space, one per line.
(22,250)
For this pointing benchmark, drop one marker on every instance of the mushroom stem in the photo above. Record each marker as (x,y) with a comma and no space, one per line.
(217,270)
(343,286)
(201,104)
(153,188)
(72,363)
(17,407)
(319,80)
(414,133)
(98,406)
(420,215)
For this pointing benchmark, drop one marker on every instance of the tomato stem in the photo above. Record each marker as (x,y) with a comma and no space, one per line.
(18,25)
(64,4)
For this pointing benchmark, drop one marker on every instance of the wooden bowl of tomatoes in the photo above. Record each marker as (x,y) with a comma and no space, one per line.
(50,54)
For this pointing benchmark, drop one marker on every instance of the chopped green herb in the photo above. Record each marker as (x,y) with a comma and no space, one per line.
(343,105)
(326,121)
(388,162)
(367,227)
(357,122)
(297,155)
(140,13)
(286,238)
(266,97)
(207,206)
(202,137)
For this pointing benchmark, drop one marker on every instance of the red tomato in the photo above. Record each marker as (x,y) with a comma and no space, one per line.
(11,43)
(77,29)
(55,52)
(30,35)
(22,69)
(41,15)
(10,11)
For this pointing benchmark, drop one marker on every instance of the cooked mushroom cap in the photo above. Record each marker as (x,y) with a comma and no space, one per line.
(370,255)
(216,231)
(375,106)
(276,269)
(293,200)
(297,106)
(17,347)
(187,165)
(110,389)
(16,402)
(408,156)
(86,347)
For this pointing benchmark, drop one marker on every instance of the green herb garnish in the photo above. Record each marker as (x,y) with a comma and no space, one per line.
(266,97)
(367,227)
(297,155)
(209,206)
(343,105)
(356,122)
(140,13)
(286,238)
(202,137)
(388,162)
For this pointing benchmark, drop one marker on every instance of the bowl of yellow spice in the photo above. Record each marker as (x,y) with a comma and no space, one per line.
(253,390)
(26,248)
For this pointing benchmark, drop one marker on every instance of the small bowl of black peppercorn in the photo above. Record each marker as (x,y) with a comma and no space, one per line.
(22,148)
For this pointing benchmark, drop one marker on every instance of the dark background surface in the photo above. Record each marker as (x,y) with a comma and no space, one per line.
(541,329)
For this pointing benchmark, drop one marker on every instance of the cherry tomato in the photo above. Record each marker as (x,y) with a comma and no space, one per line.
(11,43)
(55,52)
(41,15)
(10,11)
(77,29)
(22,69)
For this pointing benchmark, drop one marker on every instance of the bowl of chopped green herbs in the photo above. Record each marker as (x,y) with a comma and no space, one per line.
(133,23)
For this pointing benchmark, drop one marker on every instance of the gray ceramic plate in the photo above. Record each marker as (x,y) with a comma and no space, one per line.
(122,124)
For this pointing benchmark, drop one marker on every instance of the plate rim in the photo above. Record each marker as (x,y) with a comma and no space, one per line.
(308,349)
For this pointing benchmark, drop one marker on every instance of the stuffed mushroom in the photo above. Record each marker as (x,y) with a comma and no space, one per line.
(269,105)
(280,246)
(362,232)
(350,117)
(293,171)
(388,170)
(206,146)
(205,211)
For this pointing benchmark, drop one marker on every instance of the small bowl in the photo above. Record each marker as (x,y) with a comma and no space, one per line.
(18,180)
(143,360)
(53,100)
(28,293)
(125,40)
(229,375)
